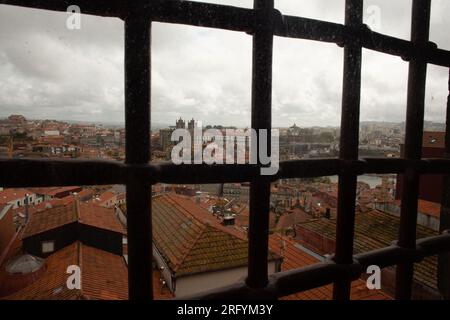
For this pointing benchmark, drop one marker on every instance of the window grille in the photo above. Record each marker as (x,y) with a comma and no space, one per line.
(262,22)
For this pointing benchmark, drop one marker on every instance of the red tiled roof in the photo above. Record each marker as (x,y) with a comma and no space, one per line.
(105,196)
(85,193)
(10,194)
(103,276)
(84,213)
(294,258)
(191,245)
(52,191)
(426,207)
(204,215)
(429,208)
(375,230)
(51,218)
(100,217)
(289,219)
(433,139)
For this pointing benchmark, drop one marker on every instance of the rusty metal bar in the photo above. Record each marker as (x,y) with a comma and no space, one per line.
(258,234)
(137,148)
(263,22)
(413,145)
(54,172)
(348,145)
(320,274)
(242,19)
(58,172)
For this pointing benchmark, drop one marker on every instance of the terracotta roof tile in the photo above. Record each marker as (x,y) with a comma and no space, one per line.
(52,191)
(294,258)
(84,213)
(100,217)
(191,245)
(375,230)
(51,218)
(10,194)
(433,139)
(429,208)
(103,276)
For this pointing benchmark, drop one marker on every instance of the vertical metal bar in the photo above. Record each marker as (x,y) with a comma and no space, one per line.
(137,133)
(413,145)
(348,145)
(261,119)
(444,222)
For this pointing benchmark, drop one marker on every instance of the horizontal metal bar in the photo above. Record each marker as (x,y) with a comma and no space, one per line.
(242,19)
(310,277)
(57,172)
(203,173)
(203,15)
(53,172)
(388,256)
(309,29)
(320,274)
(434,245)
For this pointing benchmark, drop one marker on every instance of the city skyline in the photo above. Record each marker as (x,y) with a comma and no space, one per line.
(47,69)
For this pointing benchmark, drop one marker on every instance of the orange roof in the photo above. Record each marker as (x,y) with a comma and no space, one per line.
(294,258)
(105,196)
(433,139)
(289,219)
(429,208)
(84,213)
(100,217)
(192,241)
(52,191)
(85,193)
(104,276)
(426,207)
(11,194)
(202,214)
(51,218)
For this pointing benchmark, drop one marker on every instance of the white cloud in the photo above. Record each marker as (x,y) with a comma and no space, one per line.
(47,71)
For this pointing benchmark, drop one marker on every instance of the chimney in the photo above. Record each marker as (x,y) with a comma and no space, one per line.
(228,218)
(328,213)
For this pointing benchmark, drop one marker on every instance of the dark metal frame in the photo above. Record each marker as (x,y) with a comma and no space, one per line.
(263,22)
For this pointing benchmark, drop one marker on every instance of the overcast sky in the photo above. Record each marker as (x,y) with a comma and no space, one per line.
(48,71)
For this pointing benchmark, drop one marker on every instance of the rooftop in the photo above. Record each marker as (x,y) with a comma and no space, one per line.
(192,240)
(294,258)
(52,191)
(434,139)
(8,195)
(375,230)
(103,276)
(84,213)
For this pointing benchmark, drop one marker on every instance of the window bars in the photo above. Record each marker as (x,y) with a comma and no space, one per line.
(263,22)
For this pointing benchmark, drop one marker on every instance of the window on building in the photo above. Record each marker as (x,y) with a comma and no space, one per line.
(48,246)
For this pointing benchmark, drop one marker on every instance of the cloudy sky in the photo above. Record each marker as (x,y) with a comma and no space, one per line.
(48,71)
